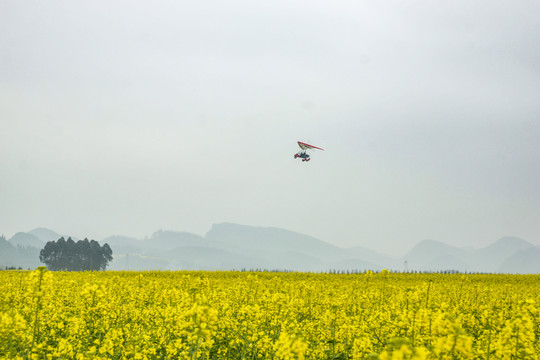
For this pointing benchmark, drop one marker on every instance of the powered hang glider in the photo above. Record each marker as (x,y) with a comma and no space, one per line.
(303,153)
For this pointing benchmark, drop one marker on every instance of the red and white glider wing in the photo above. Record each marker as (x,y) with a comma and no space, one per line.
(305,146)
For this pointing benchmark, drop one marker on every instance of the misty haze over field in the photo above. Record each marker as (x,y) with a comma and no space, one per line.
(235,247)
(127,117)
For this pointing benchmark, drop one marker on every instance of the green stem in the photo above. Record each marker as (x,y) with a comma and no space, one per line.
(517,342)
(195,354)
(427,294)
(489,341)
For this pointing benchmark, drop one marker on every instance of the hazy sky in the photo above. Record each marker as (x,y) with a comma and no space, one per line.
(125,117)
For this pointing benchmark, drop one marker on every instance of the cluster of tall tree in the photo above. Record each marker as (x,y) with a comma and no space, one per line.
(75,256)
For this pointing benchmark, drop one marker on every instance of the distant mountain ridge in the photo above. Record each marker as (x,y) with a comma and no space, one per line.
(26,239)
(430,255)
(45,235)
(234,246)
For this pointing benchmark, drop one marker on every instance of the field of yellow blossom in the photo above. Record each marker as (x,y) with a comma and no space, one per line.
(267,315)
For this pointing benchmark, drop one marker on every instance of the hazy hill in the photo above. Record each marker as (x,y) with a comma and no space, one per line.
(522,262)
(7,252)
(272,240)
(435,255)
(167,240)
(26,239)
(234,246)
(45,235)
(492,256)
(171,250)
(504,246)
(18,256)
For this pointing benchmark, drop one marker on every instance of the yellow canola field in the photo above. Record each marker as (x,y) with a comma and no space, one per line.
(266,315)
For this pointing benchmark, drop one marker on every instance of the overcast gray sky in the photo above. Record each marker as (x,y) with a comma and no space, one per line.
(125,117)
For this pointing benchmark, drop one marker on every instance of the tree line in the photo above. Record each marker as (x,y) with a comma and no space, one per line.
(75,256)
